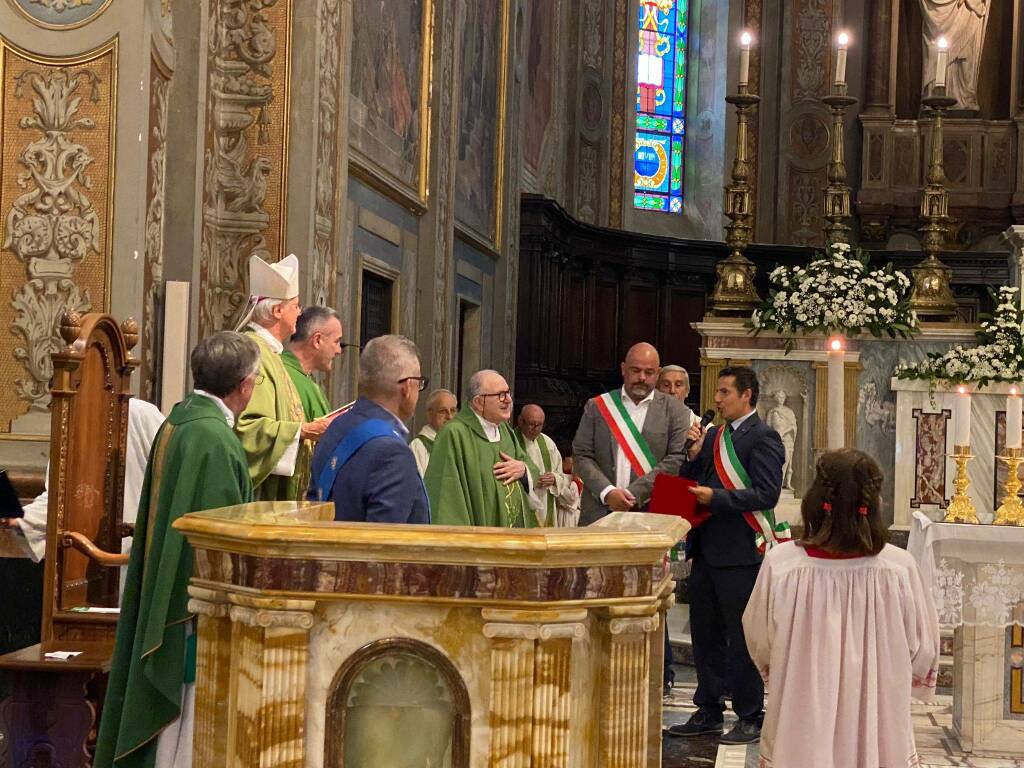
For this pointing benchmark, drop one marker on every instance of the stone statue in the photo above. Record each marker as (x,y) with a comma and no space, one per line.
(962,23)
(782,419)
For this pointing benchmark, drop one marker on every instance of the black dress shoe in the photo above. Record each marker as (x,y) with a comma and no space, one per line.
(744,732)
(700,722)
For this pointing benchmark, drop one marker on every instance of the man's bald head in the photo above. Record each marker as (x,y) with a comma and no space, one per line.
(640,370)
(531,421)
(644,354)
(489,396)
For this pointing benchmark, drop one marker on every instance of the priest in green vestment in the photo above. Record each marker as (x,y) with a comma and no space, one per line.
(441,408)
(552,485)
(313,347)
(277,439)
(478,472)
(196,463)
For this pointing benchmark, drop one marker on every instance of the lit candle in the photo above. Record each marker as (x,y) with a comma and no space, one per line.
(745,41)
(836,411)
(962,417)
(940,63)
(843,41)
(1013,418)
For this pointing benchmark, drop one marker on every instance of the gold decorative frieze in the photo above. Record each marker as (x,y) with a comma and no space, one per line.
(246,150)
(56,195)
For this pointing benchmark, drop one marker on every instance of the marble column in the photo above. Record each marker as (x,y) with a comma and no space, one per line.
(531,686)
(709,370)
(1015,237)
(624,698)
(267,699)
(878,97)
(213,676)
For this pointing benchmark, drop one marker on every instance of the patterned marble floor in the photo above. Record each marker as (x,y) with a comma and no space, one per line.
(933,732)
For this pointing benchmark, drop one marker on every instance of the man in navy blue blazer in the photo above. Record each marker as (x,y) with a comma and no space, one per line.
(725,555)
(363,462)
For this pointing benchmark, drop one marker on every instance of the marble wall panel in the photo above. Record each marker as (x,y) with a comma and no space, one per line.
(343,629)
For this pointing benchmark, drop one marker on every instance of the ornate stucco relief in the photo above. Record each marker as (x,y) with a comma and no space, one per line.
(55,186)
(154,242)
(324,265)
(245,159)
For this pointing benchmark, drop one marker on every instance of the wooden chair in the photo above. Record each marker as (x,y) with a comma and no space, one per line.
(88,434)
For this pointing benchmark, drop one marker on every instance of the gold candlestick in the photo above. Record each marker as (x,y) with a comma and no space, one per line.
(734,292)
(837,194)
(1011,511)
(961,508)
(930,294)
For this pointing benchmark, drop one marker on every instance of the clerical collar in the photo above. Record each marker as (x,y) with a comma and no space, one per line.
(428,432)
(271,340)
(220,404)
(627,400)
(736,423)
(491,431)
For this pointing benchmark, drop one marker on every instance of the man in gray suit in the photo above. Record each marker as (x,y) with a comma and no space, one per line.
(628,436)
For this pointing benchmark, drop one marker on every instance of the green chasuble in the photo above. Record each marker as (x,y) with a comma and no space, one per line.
(196,463)
(267,428)
(314,401)
(460,477)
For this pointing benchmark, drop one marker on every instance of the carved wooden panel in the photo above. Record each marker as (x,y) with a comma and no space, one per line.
(56,195)
(604,323)
(639,323)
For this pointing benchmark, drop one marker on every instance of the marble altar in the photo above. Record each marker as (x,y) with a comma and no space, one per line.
(545,644)
(976,573)
(924,473)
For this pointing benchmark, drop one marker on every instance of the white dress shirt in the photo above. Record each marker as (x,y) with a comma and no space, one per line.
(623,469)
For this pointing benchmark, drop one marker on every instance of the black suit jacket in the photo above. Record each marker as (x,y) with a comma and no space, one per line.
(726,538)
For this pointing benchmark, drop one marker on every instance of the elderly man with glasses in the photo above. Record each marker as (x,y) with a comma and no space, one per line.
(363,462)
(478,472)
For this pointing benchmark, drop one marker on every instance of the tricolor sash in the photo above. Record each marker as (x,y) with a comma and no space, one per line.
(767,533)
(628,437)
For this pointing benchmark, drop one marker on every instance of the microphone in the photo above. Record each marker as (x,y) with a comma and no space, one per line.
(706,419)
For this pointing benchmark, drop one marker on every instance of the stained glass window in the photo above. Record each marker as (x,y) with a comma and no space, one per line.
(660,106)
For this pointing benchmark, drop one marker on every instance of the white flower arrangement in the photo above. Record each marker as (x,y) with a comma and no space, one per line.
(998,356)
(837,294)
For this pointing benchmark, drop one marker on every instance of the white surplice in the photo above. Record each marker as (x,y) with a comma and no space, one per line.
(144,419)
(562,491)
(842,644)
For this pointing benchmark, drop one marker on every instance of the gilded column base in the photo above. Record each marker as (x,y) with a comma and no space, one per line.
(961,508)
(1011,511)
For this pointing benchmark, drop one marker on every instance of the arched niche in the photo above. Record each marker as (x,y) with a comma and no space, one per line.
(397,703)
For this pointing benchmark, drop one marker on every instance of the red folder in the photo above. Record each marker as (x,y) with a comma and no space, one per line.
(671,496)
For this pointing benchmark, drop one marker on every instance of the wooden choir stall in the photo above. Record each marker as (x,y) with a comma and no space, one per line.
(52,712)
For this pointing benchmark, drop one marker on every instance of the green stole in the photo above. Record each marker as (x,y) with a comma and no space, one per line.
(314,402)
(196,463)
(460,477)
(545,457)
(427,442)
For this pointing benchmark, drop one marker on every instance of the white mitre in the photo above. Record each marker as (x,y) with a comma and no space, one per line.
(271,281)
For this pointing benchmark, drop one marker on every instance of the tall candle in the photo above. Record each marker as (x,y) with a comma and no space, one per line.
(962,417)
(843,41)
(836,411)
(745,41)
(940,63)
(1013,418)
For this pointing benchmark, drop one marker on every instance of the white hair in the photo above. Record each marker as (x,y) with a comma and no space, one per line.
(437,394)
(476,381)
(263,312)
(675,369)
(385,360)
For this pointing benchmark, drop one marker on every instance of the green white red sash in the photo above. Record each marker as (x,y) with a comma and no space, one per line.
(628,437)
(767,533)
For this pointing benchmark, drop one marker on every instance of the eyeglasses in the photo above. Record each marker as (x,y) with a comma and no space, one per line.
(503,397)
(423,381)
